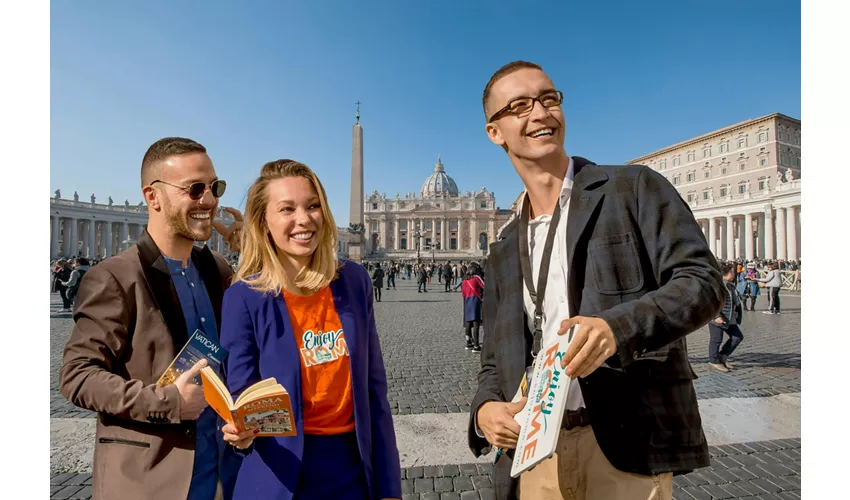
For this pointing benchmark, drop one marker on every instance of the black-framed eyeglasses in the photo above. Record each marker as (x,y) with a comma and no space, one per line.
(522,106)
(197,189)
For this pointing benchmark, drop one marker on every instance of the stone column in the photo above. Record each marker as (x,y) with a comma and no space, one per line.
(433,232)
(780,233)
(473,233)
(712,236)
(769,252)
(730,237)
(107,238)
(491,232)
(92,239)
(791,221)
(125,234)
(54,236)
(382,226)
(397,241)
(721,237)
(460,233)
(760,247)
(748,236)
(444,232)
(74,237)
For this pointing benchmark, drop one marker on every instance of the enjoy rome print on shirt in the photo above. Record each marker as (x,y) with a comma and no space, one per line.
(322,347)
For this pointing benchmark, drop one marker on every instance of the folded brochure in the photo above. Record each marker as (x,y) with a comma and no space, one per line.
(540,419)
(197,348)
(264,405)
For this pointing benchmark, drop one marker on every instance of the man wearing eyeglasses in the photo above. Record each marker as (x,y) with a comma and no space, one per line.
(615,252)
(135,312)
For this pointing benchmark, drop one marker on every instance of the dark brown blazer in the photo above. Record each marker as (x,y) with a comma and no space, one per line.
(638,260)
(128,328)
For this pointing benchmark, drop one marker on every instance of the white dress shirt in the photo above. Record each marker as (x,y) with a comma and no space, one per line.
(555,301)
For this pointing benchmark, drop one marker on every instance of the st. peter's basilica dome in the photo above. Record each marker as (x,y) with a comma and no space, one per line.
(439,184)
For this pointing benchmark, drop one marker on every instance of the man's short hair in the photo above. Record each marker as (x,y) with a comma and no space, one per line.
(503,71)
(162,149)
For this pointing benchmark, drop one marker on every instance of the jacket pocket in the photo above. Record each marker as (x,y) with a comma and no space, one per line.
(140,444)
(616,265)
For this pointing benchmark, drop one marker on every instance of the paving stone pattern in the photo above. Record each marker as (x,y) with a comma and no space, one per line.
(429,371)
(766,469)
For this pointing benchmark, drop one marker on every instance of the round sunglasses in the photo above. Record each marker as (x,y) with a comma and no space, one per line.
(197,189)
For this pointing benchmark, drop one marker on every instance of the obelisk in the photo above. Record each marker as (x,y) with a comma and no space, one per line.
(355,247)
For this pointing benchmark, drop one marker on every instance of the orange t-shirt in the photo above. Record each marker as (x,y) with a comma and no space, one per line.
(325,364)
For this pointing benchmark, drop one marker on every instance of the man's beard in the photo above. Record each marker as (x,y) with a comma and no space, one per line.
(178,224)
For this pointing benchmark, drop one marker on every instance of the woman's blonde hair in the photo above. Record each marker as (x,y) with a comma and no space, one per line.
(260,266)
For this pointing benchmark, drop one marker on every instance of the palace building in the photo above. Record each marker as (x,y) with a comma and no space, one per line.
(743,185)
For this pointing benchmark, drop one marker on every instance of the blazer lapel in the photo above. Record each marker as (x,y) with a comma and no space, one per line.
(208,269)
(584,208)
(510,337)
(162,289)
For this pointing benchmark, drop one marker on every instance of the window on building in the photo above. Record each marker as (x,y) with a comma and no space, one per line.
(691,156)
(706,174)
(779,134)
(691,197)
(762,136)
(706,195)
(483,204)
(374,206)
(763,162)
(762,184)
(676,161)
(453,244)
(374,226)
(403,243)
(706,152)
(676,179)
(782,158)
(742,143)
(453,225)
(692,176)
(428,225)
(662,165)
(742,167)
(724,190)
(483,225)
(402,204)
(722,170)
(724,147)
(402,225)
(742,188)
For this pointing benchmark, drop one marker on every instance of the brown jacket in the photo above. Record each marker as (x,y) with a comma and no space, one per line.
(128,328)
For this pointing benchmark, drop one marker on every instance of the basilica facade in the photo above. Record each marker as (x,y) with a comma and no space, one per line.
(436,223)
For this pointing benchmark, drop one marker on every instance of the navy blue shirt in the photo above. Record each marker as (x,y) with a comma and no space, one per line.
(199,315)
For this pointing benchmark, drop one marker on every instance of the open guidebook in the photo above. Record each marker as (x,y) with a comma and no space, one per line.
(540,419)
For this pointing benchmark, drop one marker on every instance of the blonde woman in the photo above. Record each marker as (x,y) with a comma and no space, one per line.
(296,313)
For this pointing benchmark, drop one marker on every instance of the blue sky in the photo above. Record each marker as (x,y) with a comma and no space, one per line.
(269,80)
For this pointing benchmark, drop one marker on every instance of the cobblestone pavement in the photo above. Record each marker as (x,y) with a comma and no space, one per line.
(429,371)
(766,469)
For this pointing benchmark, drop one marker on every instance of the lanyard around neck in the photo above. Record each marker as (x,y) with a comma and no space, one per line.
(526,266)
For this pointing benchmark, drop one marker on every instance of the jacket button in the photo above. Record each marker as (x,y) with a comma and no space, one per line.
(635,355)
(189,433)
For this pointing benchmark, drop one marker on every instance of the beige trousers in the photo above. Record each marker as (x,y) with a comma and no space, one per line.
(579,471)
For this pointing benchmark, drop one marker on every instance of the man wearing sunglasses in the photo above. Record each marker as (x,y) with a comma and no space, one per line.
(615,252)
(135,312)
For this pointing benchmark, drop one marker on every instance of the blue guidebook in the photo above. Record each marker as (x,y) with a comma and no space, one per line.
(197,348)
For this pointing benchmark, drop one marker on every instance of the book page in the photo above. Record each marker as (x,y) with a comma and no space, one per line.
(259,386)
(216,394)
